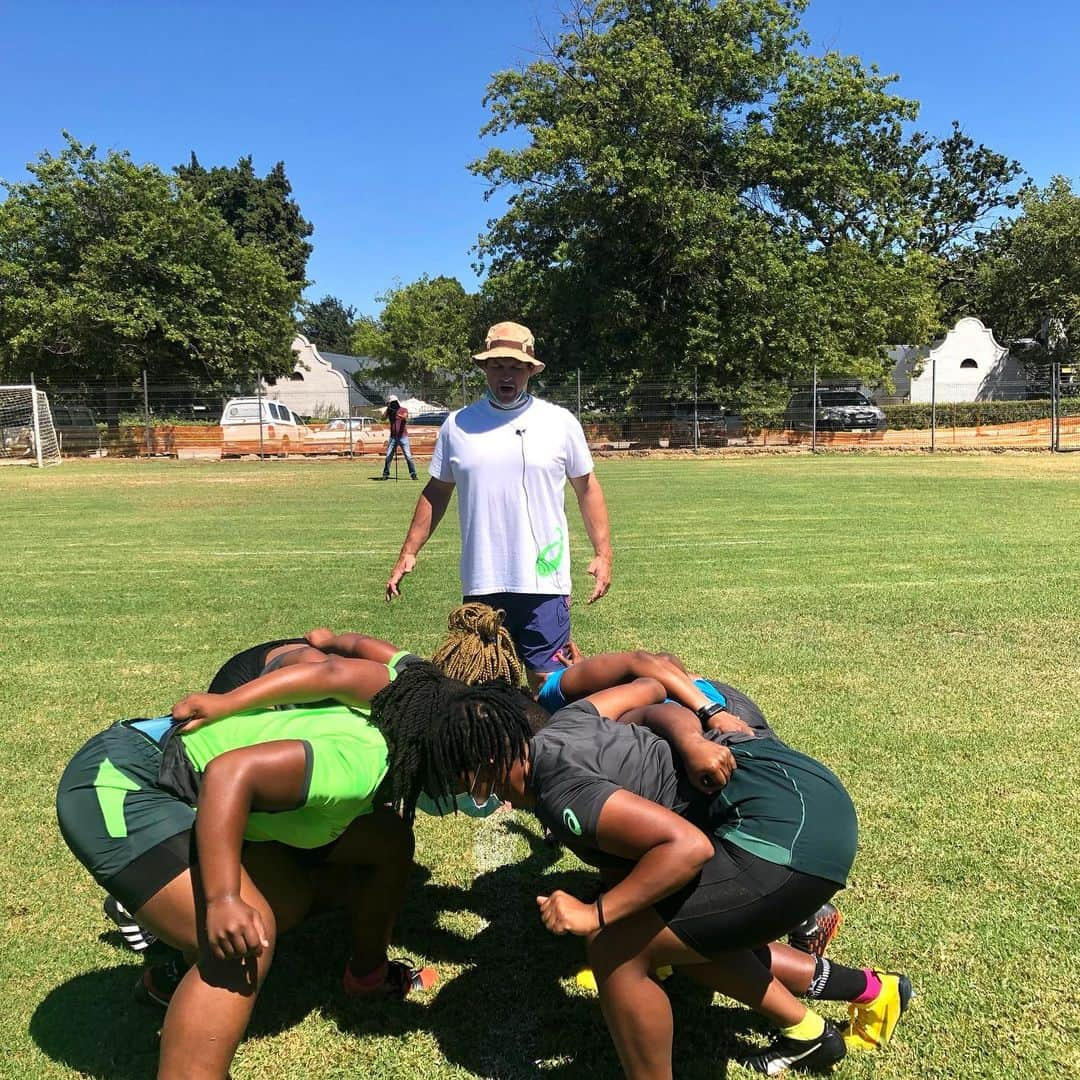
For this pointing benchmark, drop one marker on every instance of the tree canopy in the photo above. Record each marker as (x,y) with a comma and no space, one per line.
(259,210)
(108,267)
(1026,270)
(428,326)
(696,188)
(329,324)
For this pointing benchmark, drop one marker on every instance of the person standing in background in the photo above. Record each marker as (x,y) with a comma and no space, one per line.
(510,455)
(399,436)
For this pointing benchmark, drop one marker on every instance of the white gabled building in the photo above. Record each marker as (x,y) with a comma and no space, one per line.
(969,363)
(316,387)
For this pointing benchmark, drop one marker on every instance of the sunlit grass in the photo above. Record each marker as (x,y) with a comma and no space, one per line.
(912,621)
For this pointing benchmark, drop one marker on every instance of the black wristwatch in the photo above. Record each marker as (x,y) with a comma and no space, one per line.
(711,709)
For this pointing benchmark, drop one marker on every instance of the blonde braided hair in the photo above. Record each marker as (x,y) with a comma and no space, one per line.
(479,647)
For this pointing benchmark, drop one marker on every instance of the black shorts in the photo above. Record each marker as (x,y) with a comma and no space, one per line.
(740,901)
(246,665)
(133,836)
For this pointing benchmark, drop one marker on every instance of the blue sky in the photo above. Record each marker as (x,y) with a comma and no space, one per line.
(376,108)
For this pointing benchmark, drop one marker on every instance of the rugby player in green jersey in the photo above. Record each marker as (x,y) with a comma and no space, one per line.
(200,832)
(477,647)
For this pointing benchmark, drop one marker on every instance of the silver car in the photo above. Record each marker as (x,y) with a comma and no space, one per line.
(837,410)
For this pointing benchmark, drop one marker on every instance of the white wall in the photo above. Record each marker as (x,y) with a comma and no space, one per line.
(315,387)
(995,373)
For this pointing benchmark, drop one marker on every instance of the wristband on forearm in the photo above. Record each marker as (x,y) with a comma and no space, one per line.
(711,709)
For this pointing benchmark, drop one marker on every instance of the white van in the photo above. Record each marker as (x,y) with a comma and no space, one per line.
(282,430)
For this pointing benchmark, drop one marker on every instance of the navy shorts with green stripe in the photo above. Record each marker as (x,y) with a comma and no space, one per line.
(132,835)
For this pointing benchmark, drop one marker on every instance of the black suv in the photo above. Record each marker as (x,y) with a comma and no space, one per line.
(837,410)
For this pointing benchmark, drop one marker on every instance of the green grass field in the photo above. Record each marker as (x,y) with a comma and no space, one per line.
(914,622)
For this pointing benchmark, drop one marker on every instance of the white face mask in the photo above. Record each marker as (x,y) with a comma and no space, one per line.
(464,803)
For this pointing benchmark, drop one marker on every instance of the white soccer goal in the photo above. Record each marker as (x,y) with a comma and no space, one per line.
(27,432)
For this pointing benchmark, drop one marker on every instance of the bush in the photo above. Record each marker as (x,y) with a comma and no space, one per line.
(973,413)
(136,419)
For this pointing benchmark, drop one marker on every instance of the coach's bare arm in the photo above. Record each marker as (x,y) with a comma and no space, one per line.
(590,497)
(429,511)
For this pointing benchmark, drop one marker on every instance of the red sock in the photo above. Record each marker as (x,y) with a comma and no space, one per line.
(359,983)
(873,988)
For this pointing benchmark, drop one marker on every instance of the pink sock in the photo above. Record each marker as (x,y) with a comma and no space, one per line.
(873,988)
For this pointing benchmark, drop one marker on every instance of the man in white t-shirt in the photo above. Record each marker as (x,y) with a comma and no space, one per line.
(510,456)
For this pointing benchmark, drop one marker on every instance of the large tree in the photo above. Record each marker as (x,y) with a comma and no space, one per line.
(329,323)
(426,327)
(259,209)
(697,189)
(1026,270)
(108,267)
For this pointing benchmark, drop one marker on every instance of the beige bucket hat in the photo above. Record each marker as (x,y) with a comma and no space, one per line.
(513,340)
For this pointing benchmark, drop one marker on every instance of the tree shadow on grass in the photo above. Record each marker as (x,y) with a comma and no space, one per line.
(513,1012)
(91,1024)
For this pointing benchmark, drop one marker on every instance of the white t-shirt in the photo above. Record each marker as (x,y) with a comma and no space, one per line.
(510,468)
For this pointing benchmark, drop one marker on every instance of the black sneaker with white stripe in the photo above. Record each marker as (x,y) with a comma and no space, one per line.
(134,936)
(158,982)
(805,1055)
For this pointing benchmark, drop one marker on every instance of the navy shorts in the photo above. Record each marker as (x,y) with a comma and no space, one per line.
(539,623)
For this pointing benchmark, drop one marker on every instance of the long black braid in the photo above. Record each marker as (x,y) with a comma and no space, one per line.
(438,729)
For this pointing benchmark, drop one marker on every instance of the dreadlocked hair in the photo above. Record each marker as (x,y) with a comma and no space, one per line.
(438,729)
(479,648)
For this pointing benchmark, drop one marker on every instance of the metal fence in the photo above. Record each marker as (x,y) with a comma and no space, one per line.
(145,418)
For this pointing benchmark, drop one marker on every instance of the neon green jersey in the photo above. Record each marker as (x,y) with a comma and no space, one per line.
(346,762)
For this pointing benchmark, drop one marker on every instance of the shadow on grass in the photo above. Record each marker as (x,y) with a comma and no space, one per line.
(91,1024)
(508,1014)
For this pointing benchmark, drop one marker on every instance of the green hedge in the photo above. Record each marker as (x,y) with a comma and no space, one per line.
(136,419)
(973,413)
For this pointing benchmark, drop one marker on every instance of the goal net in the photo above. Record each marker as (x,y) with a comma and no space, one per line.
(27,433)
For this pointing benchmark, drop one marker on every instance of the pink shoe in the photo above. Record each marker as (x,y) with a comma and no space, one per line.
(401,978)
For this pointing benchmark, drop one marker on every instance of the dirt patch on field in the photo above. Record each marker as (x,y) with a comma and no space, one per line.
(786,451)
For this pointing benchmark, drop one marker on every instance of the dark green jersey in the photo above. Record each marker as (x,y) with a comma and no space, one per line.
(785,808)
(779,804)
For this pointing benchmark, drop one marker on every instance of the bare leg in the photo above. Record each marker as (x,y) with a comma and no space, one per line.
(793,967)
(637,1010)
(742,976)
(379,849)
(210,1009)
(282,879)
(288,655)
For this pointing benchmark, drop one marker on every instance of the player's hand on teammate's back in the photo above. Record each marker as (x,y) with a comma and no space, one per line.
(728,722)
(570,654)
(600,569)
(234,929)
(564,914)
(195,710)
(320,637)
(708,765)
(403,566)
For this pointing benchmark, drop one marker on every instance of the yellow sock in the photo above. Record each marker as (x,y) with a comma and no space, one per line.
(811,1026)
